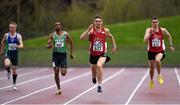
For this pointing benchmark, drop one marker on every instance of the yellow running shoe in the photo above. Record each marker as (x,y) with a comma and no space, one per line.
(151,84)
(59,92)
(160,80)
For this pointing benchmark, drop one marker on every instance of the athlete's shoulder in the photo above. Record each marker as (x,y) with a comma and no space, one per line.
(106,29)
(148,30)
(18,35)
(163,29)
(6,34)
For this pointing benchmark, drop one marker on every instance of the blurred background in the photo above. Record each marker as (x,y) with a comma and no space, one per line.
(126,19)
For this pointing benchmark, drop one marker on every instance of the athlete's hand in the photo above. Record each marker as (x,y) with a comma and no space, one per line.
(172,48)
(113,50)
(90,27)
(49,46)
(72,56)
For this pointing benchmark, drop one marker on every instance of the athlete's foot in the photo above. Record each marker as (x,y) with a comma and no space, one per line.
(14,87)
(99,89)
(160,80)
(94,80)
(151,84)
(59,92)
(8,75)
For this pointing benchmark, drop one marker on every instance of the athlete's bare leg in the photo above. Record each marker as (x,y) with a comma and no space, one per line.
(56,77)
(151,71)
(158,62)
(100,64)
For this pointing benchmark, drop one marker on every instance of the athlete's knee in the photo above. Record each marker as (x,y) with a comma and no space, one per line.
(158,61)
(56,70)
(7,63)
(63,72)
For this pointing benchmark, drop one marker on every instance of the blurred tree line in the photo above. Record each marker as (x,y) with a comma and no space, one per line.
(37,17)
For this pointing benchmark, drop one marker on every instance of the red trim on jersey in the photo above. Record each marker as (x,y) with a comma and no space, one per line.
(97,42)
(155,43)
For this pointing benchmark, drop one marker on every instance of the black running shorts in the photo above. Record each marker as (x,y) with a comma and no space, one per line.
(152,55)
(94,59)
(59,60)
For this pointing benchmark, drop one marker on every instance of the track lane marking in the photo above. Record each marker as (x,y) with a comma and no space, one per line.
(38,91)
(137,87)
(24,74)
(177,75)
(104,81)
(31,80)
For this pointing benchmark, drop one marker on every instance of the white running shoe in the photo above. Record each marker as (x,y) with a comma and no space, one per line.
(14,87)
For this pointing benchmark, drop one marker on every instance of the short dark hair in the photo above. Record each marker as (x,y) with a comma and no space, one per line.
(154,18)
(98,16)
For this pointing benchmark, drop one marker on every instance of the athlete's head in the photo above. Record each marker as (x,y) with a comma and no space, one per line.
(57,26)
(12,27)
(98,22)
(155,22)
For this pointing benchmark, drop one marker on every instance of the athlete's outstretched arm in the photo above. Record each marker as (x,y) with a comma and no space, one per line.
(147,35)
(112,39)
(50,41)
(169,39)
(20,42)
(85,34)
(69,39)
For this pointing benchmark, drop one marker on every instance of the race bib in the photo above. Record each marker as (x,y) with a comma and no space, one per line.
(156,43)
(98,46)
(59,44)
(12,46)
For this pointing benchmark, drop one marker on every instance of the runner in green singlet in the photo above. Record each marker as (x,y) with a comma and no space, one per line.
(60,38)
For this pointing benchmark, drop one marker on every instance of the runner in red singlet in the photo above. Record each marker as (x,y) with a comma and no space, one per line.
(154,36)
(98,48)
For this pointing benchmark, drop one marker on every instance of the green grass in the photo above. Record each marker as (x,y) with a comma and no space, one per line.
(129,39)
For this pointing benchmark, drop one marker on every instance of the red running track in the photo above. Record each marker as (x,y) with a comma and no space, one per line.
(120,86)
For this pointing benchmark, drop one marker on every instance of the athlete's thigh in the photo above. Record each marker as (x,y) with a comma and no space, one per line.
(101,61)
(63,62)
(159,56)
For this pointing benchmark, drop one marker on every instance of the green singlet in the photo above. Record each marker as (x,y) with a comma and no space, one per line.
(60,42)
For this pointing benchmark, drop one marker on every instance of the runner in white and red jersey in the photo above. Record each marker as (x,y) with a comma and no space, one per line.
(97,35)
(154,36)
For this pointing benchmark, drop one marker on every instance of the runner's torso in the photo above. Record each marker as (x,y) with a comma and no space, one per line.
(156,41)
(97,41)
(59,42)
(11,43)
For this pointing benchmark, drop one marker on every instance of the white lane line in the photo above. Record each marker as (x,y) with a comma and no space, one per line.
(177,75)
(137,87)
(31,80)
(18,70)
(38,91)
(81,94)
(24,74)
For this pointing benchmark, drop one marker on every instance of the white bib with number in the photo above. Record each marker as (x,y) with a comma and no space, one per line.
(12,46)
(156,42)
(59,44)
(98,46)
